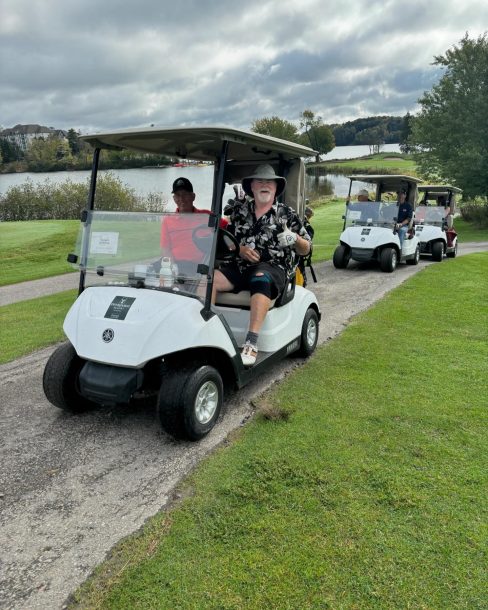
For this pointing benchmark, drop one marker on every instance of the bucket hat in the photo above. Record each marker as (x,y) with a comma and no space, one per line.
(264,172)
(363,192)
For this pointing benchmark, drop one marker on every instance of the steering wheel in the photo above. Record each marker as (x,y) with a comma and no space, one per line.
(227,244)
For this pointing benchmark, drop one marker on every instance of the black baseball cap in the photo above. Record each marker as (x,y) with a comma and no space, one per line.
(182,184)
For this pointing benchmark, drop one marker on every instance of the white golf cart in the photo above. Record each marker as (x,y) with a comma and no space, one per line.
(144,325)
(369,230)
(434,220)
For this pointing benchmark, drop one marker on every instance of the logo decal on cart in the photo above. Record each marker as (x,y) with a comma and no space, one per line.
(119,308)
(108,335)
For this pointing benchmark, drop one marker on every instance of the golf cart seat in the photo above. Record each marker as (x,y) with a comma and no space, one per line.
(242,299)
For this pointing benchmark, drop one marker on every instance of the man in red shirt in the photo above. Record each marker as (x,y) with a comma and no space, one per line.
(177,231)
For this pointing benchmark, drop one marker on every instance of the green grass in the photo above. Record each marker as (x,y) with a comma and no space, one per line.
(30,325)
(369,492)
(327,223)
(34,249)
(467,232)
(379,163)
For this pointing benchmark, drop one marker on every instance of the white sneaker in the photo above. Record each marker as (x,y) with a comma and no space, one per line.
(249,354)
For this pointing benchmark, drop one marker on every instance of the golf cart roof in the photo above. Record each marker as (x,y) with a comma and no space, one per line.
(438,188)
(200,143)
(390,181)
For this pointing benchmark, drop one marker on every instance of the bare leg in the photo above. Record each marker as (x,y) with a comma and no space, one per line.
(259,308)
(220,284)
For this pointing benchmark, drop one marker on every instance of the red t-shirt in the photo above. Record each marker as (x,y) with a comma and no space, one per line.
(176,234)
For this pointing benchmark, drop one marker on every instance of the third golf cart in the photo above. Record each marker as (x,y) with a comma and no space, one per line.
(369,230)
(144,325)
(434,220)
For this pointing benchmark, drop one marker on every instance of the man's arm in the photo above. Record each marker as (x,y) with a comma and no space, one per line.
(302,246)
(295,235)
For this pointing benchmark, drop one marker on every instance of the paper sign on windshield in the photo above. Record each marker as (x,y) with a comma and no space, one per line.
(104,242)
(354,214)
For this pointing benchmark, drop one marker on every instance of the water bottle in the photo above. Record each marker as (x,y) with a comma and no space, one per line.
(166,273)
(151,277)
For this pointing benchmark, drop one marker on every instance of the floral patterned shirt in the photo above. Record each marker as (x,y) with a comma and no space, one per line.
(262,234)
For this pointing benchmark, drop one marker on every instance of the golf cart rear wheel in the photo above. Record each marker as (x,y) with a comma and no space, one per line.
(60,380)
(341,257)
(190,401)
(452,253)
(388,260)
(437,251)
(310,333)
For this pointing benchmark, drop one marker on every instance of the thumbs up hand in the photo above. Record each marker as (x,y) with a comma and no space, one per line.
(287,239)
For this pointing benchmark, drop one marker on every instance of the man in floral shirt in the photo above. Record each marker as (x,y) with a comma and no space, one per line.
(271,236)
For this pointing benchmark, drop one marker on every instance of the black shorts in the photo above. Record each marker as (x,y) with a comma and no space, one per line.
(261,278)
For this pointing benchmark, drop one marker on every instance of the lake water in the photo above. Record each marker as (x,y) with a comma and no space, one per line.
(160,180)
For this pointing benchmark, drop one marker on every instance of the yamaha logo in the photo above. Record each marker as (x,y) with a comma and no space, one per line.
(108,335)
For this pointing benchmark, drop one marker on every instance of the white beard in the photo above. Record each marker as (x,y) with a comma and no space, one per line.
(263,198)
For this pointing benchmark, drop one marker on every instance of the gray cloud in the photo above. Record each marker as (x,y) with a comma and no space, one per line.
(106,65)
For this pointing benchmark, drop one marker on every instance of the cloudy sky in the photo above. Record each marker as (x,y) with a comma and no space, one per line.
(108,64)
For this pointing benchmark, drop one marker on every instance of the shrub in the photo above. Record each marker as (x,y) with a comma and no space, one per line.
(476,212)
(65,201)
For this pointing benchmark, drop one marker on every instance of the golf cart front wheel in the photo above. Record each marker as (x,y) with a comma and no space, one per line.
(437,251)
(310,333)
(190,401)
(341,257)
(388,260)
(61,380)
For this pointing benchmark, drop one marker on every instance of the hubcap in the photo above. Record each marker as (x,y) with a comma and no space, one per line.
(206,402)
(393,259)
(311,332)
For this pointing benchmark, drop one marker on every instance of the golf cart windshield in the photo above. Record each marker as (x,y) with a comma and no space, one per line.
(431,215)
(374,213)
(168,251)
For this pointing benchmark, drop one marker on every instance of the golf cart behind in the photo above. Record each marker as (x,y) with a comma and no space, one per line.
(434,221)
(143,325)
(369,230)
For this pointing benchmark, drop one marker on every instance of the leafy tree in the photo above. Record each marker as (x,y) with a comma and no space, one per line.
(405,147)
(320,139)
(316,135)
(47,155)
(275,127)
(73,141)
(374,137)
(450,134)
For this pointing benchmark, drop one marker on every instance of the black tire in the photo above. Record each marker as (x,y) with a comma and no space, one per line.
(310,333)
(388,260)
(190,401)
(437,251)
(342,255)
(453,253)
(60,380)
(416,257)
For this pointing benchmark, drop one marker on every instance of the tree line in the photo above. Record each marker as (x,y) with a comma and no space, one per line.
(55,154)
(311,131)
